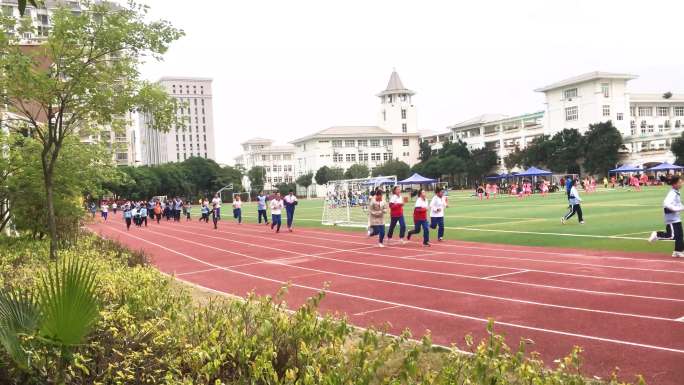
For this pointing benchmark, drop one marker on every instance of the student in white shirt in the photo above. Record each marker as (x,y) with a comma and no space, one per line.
(216,205)
(276,210)
(105,210)
(290,201)
(437,206)
(237,209)
(672,206)
(574,201)
(114,207)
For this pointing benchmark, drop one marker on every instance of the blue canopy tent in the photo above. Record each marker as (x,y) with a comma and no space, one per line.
(665,167)
(626,168)
(533,171)
(417,179)
(495,177)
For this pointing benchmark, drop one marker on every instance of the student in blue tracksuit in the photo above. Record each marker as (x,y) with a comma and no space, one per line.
(290,201)
(128,215)
(672,207)
(276,210)
(261,206)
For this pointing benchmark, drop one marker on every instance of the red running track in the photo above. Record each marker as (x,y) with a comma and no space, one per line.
(622,308)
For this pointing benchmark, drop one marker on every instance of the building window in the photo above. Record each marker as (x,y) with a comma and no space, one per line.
(350,157)
(620,116)
(679,111)
(375,156)
(389,98)
(363,157)
(349,143)
(384,115)
(571,113)
(667,124)
(336,143)
(678,123)
(605,89)
(571,93)
(645,111)
(643,124)
(375,142)
(363,143)
(663,111)
(606,110)
(264,158)
(403,128)
(405,142)
(387,142)
(276,157)
(403,113)
(387,156)
(632,111)
(338,158)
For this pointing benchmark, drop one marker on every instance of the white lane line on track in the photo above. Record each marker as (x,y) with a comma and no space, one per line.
(505,274)
(680,319)
(584,291)
(376,310)
(427,310)
(397,283)
(434,253)
(507,248)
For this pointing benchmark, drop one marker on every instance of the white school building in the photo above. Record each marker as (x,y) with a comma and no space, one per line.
(648,122)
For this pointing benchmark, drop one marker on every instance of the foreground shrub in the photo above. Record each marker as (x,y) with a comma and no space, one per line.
(151,331)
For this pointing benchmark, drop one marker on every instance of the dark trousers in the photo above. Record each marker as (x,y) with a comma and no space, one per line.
(378,230)
(393,224)
(262,213)
(128,223)
(438,223)
(275,221)
(289,211)
(104,215)
(574,209)
(205,217)
(673,231)
(158,217)
(215,217)
(418,225)
(237,214)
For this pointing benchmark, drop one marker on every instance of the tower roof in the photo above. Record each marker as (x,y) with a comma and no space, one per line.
(395,86)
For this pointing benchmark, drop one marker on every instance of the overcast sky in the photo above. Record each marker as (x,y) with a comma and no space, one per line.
(285,69)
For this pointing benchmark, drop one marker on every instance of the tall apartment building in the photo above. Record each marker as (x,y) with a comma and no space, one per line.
(648,122)
(122,142)
(278,161)
(194,136)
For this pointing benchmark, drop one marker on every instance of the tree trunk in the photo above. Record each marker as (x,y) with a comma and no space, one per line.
(52,221)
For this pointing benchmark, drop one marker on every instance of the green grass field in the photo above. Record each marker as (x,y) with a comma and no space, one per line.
(612,217)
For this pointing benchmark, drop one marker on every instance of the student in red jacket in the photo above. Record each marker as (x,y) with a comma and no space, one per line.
(420,218)
(396,205)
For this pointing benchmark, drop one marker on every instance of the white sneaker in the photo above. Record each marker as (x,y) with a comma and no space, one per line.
(653,237)
(562,220)
(369,233)
(677,254)
(581,223)
(402,241)
(381,245)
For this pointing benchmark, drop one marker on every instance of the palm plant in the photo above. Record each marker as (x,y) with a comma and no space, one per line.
(61,312)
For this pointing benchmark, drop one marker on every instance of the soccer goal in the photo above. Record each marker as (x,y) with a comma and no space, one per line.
(346,200)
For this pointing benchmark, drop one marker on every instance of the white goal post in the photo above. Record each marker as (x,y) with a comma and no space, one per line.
(346,200)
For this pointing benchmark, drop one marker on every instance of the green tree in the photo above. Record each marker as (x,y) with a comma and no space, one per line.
(602,149)
(453,166)
(305,181)
(677,148)
(285,188)
(357,171)
(22,5)
(335,173)
(458,149)
(257,177)
(567,149)
(83,79)
(425,151)
(322,175)
(514,158)
(393,167)
(431,168)
(481,162)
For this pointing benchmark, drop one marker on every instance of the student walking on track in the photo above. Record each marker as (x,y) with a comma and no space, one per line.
(437,207)
(215,214)
(237,209)
(396,205)
(128,215)
(290,203)
(261,206)
(104,208)
(574,202)
(672,206)
(216,204)
(276,212)
(376,211)
(420,219)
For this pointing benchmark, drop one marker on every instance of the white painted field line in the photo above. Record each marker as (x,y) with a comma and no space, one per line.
(506,274)
(640,232)
(377,310)
(438,289)
(428,310)
(545,233)
(434,252)
(527,284)
(196,272)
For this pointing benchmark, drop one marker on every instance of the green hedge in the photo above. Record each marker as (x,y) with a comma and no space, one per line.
(153,331)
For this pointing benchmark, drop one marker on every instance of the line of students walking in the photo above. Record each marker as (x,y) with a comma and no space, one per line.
(377,208)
